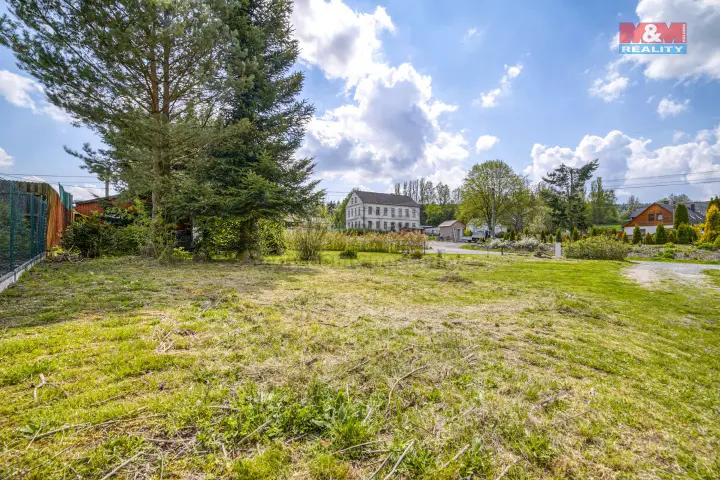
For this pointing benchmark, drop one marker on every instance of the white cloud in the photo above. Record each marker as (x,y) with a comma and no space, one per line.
(390,128)
(669,107)
(677,136)
(473,36)
(703,34)
(631,160)
(5,159)
(490,98)
(86,192)
(471,32)
(343,43)
(485,142)
(611,86)
(33,178)
(23,92)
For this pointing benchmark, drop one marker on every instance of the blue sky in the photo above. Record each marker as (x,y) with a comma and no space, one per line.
(406,88)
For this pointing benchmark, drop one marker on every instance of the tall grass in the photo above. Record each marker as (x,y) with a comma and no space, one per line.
(370,242)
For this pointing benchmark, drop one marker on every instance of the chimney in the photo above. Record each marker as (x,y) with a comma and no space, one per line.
(666,202)
(692,207)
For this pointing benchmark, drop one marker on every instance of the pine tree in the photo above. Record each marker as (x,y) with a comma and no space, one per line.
(558,235)
(575,236)
(680,215)
(147,77)
(565,194)
(637,235)
(660,235)
(648,240)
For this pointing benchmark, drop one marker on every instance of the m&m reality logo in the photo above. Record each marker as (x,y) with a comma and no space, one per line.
(655,38)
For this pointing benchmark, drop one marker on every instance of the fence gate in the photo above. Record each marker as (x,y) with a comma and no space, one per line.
(23,223)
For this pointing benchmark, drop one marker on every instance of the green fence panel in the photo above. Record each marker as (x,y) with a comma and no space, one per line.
(23,226)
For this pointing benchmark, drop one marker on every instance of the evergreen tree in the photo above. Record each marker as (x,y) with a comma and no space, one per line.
(648,240)
(601,203)
(637,235)
(660,235)
(148,77)
(672,236)
(256,175)
(712,225)
(680,215)
(714,201)
(565,194)
(558,235)
(684,234)
(575,235)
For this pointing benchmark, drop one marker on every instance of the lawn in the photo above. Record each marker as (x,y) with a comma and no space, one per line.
(447,368)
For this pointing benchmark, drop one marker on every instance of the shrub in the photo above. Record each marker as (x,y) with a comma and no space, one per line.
(467,232)
(597,248)
(575,234)
(660,235)
(528,243)
(624,237)
(648,240)
(671,236)
(669,245)
(712,225)
(511,235)
(93,238)
(499,243)
(705,246)
(349,253)
(681,215)
(636,236)
(716,245)
(308,240)
(543,236)
(685,234)
(558,235)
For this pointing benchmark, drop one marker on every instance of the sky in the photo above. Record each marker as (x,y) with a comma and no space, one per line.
(405,89)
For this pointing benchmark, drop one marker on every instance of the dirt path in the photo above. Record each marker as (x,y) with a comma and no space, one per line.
(652,273)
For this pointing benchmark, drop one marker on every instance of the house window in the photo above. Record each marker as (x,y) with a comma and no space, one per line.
(392,214)
(385,212)
(370,224)
(407,224)
(399,212)
(659,217)
(642,231)
(413,225)
(407,212)
(377,211)
(392,226)
(384,225)
(651,217)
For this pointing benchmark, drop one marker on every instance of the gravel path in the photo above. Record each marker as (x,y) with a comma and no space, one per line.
(650,273)
(453,248)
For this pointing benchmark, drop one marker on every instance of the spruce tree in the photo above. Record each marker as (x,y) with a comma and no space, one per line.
(256,175)
(648,240)
(575,235)
(558,235)
(637,235)
(660,235)
(680,215)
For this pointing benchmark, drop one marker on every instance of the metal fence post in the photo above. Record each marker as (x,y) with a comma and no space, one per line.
(12,227)
(33,227)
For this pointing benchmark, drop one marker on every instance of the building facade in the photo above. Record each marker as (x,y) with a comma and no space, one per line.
(648,218)
(381,211)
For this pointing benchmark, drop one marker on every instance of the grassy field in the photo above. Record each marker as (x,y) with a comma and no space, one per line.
(446,368)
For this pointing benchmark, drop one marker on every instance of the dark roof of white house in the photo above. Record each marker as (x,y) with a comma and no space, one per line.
(387,199)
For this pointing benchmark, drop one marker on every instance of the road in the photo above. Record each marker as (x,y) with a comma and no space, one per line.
(649,273)
(453,248)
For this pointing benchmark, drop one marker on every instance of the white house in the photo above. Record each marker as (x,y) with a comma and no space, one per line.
(381,211)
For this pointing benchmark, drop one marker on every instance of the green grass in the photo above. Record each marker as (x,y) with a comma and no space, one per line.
(558,369)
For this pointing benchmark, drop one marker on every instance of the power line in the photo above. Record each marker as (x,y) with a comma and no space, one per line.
(48,175)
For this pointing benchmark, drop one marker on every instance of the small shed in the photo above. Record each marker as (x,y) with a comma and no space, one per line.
(452,230)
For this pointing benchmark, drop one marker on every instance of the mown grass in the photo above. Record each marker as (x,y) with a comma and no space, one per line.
(549,369)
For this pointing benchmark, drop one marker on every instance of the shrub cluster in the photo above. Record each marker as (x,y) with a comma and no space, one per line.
(376,242)
(597,248)
(93,238)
